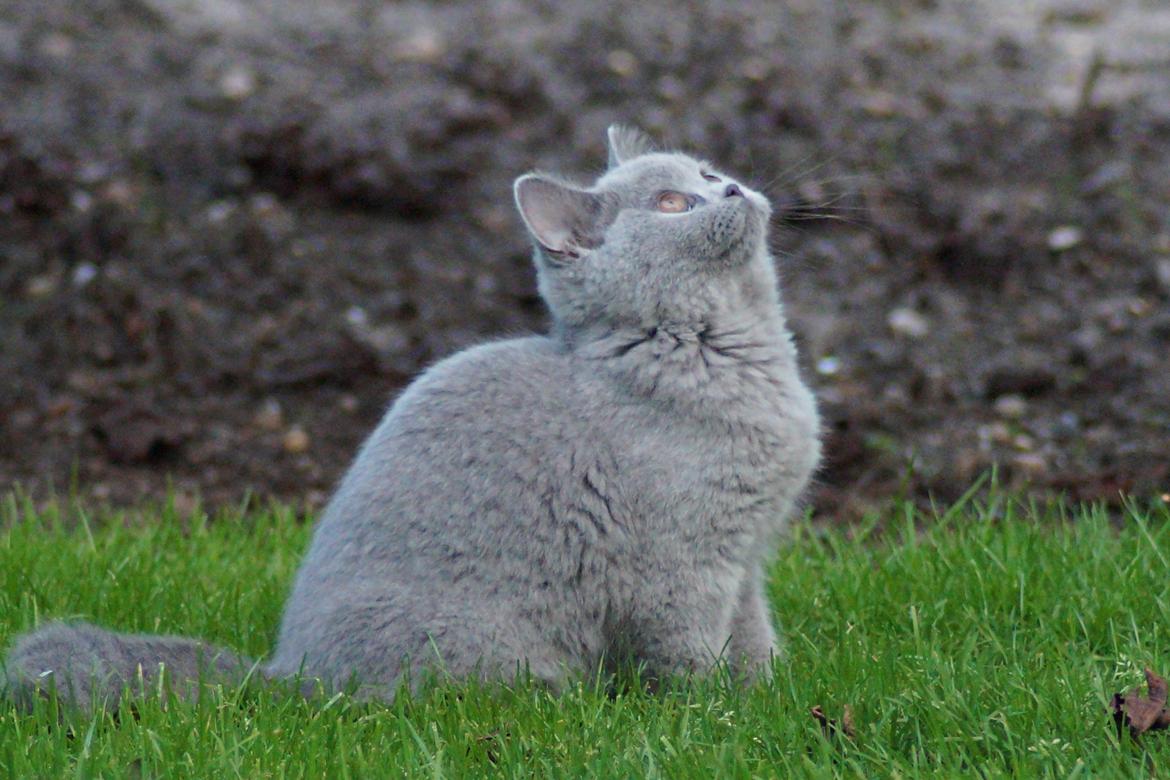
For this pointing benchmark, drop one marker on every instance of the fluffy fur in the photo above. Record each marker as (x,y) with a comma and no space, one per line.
(605,493)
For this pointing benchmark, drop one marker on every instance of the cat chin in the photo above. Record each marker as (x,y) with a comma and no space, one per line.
(747,240)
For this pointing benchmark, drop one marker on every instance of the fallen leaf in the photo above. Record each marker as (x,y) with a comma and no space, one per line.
(1142,713)
(832,728)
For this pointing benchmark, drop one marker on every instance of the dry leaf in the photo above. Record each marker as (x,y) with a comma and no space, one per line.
(832,728)
(1142,713)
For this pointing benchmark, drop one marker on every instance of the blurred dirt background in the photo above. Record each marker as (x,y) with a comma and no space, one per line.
(231,230)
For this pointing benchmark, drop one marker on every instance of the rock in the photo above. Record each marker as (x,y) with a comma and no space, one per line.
(1065,237)
(622,62)
(828,366)
(84,273)
(237,82)
(296,441)
(1162,274)
(1030,465)
(1011,406)
(270,417)
(907,322)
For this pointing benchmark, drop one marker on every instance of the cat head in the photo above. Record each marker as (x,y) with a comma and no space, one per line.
(660,237)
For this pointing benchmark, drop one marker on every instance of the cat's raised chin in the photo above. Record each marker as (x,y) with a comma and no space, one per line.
(607,494)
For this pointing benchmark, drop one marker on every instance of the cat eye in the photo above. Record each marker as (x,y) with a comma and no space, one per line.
(674,203)
(709,176)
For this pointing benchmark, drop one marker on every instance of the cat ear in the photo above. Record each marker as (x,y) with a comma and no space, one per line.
(559,216)
(626,143)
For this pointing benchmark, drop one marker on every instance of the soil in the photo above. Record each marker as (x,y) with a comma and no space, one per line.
(230,231)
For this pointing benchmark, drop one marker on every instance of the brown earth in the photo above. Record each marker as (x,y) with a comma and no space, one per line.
(230,231)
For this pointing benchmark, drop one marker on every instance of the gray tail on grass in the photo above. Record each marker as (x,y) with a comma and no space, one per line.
(89,667)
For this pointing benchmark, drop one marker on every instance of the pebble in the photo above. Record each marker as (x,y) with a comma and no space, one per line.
(754,69)
(296,441)
(1032,465)
(993,433)
(1011,406)
(237,82)
(81,201)
(270,417)
(1065,237)
(219,212)
(84,273)
(907,322)
(622,62)
(41,286)
(1162,274)
(357,317)
(425,45)
(1023,442)
(828,366)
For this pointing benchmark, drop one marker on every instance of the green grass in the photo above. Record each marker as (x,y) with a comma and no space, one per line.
(987,644)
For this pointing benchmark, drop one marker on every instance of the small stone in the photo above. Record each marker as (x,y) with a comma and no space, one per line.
(237,82)
(622,62)
(879,103)
(270,417)
(357,317)
(994,433)
(385,339)
(1012,407)
(828,366)
(84,273)
(264,205)
(296,441)
(41,286)
(1138,307)
(219,212)
(81,201)
(1065,237)
(1162,274)
(424,45)
(1068,423)
(1031,465)
(754,68)
(909,323)
(671,88)
(119,192)
(1023,442)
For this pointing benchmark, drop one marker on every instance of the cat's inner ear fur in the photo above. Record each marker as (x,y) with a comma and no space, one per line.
(562,218)
(626,143)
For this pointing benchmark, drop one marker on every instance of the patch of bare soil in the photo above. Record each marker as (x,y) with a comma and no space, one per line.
(230,231)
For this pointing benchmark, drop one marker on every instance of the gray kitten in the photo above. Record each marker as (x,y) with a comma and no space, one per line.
(606,493)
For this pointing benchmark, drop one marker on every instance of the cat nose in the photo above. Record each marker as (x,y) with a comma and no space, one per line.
(732,191)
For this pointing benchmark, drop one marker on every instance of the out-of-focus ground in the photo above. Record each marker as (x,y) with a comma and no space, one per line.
(230,230)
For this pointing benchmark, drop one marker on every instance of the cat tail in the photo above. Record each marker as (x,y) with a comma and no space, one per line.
(89,667)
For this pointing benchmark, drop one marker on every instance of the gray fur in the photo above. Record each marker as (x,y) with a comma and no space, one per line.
(608,492)
(91,666)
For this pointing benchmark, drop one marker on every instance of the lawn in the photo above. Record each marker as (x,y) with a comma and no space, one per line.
(984,639)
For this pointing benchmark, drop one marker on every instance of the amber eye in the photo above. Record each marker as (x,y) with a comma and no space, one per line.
(673,203)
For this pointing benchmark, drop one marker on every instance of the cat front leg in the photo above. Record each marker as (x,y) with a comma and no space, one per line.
(682,624)
(753,643)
